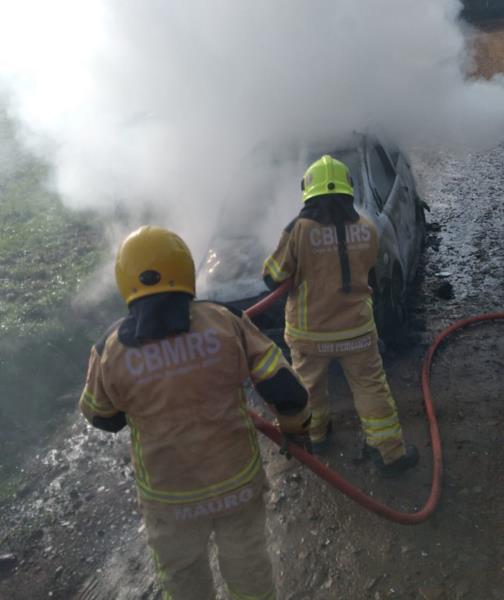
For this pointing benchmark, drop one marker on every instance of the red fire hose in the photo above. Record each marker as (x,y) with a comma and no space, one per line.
(334,478)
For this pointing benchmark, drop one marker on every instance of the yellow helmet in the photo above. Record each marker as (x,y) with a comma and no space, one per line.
(326,176)
(152,260)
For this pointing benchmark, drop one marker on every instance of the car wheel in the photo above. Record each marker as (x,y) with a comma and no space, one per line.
(421,221)
(393,317)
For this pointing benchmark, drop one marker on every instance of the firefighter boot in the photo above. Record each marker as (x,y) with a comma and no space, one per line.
(393,469)
(323,446)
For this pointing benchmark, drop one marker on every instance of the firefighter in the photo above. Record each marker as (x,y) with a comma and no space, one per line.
(328,251)
(173,371)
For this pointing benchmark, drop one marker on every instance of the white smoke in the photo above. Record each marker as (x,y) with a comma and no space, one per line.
(159,106)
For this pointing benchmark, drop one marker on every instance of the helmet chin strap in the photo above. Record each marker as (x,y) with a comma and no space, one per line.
(346,277)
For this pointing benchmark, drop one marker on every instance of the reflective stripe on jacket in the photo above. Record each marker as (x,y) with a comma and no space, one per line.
(191,435)
(318,310)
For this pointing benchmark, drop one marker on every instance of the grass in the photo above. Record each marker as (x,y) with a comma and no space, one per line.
(46,251)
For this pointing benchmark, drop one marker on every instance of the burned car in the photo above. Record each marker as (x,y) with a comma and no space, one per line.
(384,191)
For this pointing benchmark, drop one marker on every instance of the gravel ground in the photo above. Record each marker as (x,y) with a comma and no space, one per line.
(72,529)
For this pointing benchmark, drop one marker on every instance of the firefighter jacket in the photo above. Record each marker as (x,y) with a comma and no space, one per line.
(183,397)
(319,308)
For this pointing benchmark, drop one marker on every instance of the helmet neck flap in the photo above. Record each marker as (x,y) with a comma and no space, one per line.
(156,317)
(330,209)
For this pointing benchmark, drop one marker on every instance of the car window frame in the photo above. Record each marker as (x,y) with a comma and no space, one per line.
(377,146)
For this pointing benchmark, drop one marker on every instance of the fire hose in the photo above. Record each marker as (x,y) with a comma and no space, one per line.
(334,478)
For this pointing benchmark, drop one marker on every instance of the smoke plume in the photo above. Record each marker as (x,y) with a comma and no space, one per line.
(170,109)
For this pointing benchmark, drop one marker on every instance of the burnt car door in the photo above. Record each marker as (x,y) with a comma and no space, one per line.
(393,200)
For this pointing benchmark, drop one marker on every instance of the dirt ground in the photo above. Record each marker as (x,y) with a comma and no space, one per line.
(72,530)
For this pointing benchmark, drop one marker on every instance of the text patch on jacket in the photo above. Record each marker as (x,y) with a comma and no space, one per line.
(175,356)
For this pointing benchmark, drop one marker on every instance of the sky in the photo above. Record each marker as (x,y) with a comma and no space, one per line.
(170,109)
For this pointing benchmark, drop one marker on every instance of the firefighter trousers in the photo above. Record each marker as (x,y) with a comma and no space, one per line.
(362,366)
(180,552)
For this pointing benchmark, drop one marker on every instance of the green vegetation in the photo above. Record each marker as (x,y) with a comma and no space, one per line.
(10,485)
(46,251)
